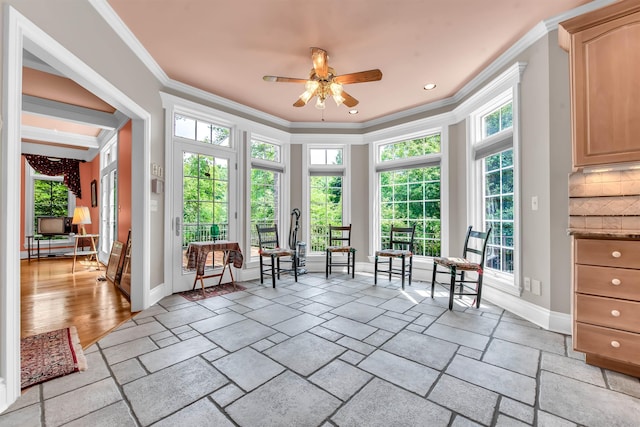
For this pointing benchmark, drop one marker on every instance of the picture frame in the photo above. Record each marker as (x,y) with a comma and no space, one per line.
(116,259)
(94,193)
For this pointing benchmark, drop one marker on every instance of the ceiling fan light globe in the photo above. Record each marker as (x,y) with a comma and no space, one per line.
(311,86)
(336,88)
(306,96)
(339,99)
(320,104)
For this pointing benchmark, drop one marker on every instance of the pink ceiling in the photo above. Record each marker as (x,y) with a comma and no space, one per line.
(225,47)
(55,88)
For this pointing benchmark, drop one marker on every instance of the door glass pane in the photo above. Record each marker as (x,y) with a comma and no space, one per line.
(205,199)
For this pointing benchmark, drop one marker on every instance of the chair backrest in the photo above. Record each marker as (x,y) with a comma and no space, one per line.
(402,238)
(476,243)
(268,236)
(339,235)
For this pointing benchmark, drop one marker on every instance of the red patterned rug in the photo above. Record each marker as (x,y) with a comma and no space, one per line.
(50,355)
(211,291)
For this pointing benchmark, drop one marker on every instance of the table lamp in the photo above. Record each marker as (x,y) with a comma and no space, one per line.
(81,216)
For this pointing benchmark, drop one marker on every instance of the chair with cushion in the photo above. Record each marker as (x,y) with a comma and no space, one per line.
(270,248)
(400,247)
(475,245)
(340,243)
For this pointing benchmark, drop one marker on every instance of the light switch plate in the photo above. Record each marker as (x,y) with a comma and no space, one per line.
(527,284)
(535,287)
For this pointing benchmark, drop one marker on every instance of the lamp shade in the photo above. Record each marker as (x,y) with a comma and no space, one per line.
(81,216)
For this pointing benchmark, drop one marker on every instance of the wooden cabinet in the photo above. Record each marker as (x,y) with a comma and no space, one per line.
(604,51)
(606,305)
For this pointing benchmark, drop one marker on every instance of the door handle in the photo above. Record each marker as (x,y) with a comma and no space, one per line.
(178,226)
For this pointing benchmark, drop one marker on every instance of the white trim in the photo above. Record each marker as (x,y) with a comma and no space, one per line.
(67,138)
(69,113)
(550,320)
(10,196)
(19,34)
(56,151)
(158,292)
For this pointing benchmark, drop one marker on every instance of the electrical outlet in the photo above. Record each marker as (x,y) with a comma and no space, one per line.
(535,287)
(527,284)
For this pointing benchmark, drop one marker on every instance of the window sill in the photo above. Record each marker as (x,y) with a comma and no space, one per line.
(501,284)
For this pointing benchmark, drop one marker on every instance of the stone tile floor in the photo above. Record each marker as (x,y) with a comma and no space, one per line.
(331,352)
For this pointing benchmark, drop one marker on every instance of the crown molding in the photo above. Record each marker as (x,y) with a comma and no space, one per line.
(509,56)
(66,138)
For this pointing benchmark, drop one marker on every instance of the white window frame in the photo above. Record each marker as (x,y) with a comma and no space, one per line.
(29,191)
(275,166)
(418,129)
(106,167)
(479,148)
(307,170)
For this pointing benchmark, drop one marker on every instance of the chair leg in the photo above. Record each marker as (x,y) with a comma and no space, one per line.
(452,288)
(353,264)
(375,272)
(433,278)
(295,267)
(410,268)
(479,289)
(390,267)
(326,275)
(404,265)
(261,268)
(273,273)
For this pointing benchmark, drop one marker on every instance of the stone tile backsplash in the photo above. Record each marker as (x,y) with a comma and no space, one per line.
(604,200)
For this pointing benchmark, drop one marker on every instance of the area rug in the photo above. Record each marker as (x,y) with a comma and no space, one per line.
(211,291)
(50,355)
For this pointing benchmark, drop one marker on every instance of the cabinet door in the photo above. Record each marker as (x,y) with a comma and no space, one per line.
(606,92)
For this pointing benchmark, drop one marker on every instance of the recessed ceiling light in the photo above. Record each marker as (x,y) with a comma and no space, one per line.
(429,86)
(353,111)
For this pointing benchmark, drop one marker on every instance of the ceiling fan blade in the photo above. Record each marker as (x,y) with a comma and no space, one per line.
(283,79)
(320,65)
(299,103)
(349,100)
(361,77)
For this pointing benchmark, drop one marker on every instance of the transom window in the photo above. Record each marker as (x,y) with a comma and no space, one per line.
(265,151)
(325,156)
(200,130)
(416,147)
(498,120)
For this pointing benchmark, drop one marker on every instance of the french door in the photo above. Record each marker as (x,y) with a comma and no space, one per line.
(204,206)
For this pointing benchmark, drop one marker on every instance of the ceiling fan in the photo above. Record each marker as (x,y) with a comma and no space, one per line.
(324,82)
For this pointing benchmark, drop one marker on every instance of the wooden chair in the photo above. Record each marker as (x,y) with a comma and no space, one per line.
(400,246)
(269,243)
(476,244)
(340,242)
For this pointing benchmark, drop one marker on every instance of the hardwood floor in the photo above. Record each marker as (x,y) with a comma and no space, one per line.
(53,298)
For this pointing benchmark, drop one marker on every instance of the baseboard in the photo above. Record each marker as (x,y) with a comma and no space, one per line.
(157,293)
(547,319)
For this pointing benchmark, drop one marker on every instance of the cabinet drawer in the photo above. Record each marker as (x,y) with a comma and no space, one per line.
(608,282)
(610,312)
(608,253)
(618,345)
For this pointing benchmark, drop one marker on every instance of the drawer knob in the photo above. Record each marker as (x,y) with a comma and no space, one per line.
(615,344)
(616,254)
(615,313)
(615,282)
